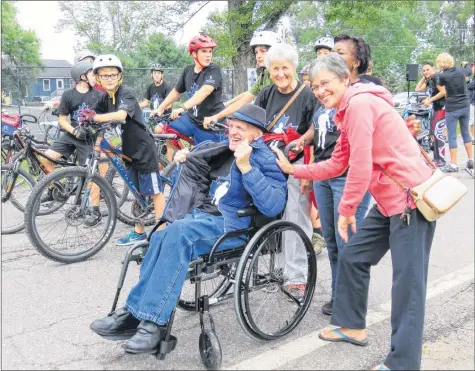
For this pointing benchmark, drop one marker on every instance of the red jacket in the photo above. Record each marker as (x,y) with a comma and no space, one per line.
(373,134)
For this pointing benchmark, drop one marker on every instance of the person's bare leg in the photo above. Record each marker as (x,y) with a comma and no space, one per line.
(48,165)
(469,149)
(453,156)
(158,206)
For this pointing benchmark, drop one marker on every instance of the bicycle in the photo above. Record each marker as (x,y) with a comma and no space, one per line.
(17,183)
(75,186)
(11,123)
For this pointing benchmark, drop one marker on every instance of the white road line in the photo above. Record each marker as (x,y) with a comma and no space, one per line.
(298,348)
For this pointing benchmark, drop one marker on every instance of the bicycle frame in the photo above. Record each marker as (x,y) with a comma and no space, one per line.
(114,154)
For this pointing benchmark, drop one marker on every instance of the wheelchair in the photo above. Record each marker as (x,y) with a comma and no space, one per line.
(254,273)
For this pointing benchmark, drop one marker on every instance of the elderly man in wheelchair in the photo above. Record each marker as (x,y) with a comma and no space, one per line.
(223,194)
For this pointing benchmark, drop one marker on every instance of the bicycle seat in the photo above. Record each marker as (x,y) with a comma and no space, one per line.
(164,136)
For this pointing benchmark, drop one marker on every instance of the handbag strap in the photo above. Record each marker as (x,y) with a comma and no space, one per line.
(271,125)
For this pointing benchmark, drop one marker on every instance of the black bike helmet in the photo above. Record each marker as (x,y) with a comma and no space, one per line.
(79,69)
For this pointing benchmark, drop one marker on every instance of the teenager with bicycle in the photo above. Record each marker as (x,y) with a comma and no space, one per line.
(72,139)
(203,84)
(260,44)
(120,105)
(157,91)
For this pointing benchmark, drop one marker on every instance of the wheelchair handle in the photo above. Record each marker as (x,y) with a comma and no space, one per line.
(288,148)
(164,136)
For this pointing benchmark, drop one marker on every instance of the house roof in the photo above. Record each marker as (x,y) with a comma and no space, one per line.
(59,68)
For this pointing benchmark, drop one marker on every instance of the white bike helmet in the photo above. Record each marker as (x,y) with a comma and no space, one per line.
(107,60)
(324,42)
(266,38)
(83,54)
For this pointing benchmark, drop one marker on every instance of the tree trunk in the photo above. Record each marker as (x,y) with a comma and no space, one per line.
(241,61)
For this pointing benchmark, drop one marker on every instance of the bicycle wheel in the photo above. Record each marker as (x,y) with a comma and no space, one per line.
(130,212)
(71,234)
(14,207)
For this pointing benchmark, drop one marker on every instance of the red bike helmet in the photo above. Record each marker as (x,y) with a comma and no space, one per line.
(201,42)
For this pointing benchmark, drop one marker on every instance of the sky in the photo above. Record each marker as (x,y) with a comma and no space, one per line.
(41,16)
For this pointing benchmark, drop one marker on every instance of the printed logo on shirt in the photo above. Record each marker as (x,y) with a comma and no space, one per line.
(323,122)
(282,125)
(75,115)
(219,191)
(194,88)
(156,100)
(210,80)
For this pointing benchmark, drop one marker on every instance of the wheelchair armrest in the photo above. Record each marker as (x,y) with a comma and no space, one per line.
(247,211)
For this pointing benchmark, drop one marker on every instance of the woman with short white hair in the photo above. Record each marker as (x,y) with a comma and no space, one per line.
(457,109)
(285,126)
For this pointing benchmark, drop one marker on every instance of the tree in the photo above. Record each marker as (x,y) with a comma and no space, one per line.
(19,48)
(233,30)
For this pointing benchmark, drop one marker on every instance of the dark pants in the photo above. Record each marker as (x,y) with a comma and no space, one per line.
(410,248)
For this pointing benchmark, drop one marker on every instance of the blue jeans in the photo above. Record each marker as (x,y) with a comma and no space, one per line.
(185,126)
(164,268)
(451,118)
(328,195)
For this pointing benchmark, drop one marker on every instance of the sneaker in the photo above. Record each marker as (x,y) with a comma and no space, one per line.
(449,168)
(92,218)
(131,238)
(47,197)
(318,243)
(297,291)
(469,167)
(439,163)
(327,308)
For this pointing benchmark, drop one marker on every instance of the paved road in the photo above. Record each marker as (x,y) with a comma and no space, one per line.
(47,308)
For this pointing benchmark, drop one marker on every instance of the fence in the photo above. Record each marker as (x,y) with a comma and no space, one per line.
(21,84)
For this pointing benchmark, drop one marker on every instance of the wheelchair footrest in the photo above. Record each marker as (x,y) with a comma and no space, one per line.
(167,346)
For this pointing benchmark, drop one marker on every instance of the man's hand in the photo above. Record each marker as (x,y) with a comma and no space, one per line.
(242,154)
(305,186)
(86,114)
(79,133)
(176,113)
(299,144)
(426,103)
(414,126)
(207,121)
(343,223)
(181,155)
(282,161)
(158,111)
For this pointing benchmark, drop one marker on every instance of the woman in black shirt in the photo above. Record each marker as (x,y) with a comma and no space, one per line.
(457,108)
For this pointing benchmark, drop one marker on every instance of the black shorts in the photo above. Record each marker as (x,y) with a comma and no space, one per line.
(67,143)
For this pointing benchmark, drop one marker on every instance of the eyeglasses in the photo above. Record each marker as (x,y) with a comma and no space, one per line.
(113,76)
(323,85)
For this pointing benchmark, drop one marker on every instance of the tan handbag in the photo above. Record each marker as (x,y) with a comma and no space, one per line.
(437,195)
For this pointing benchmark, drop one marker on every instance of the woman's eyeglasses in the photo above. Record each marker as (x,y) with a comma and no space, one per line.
(323,85)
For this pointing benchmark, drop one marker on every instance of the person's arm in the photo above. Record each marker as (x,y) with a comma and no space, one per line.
(438,96)
(120,115)
(64,123)
(421,85)
(234,99)
(246,97)
(267,187)
(144,103)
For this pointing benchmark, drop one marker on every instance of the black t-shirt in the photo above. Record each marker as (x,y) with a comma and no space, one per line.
(137,143)
(73,101)
(372,79)
(190,82)
(298,115)
(157,94)
(456,88)
(433,91)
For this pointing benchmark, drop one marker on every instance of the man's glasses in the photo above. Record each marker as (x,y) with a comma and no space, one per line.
(113,76)
(323,85)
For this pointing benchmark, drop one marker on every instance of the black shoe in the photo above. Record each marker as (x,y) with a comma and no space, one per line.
(93,218)
(327,308)
(146,339)
(120,325)
(47,197)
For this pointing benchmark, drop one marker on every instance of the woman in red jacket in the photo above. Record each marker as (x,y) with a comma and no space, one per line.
(373,137)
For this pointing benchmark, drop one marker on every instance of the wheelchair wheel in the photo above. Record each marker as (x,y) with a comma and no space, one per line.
(210,350)
(214,288)
(275,281)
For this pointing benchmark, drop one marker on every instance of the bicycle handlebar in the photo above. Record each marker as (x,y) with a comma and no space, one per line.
(34,119)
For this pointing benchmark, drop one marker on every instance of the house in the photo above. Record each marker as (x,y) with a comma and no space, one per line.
(53,79)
